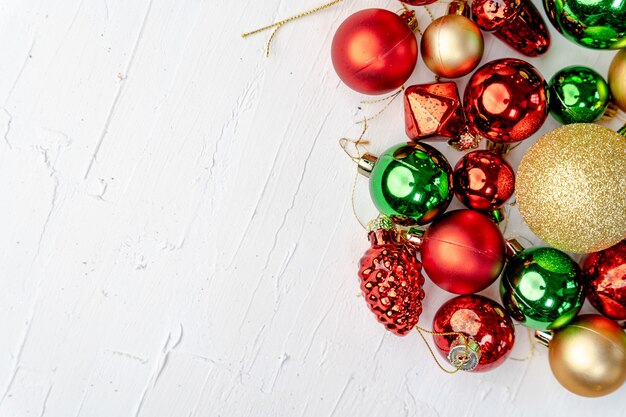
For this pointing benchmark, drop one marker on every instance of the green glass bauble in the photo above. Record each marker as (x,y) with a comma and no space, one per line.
(597,24)
(578,95)
(542,288)
(411,183)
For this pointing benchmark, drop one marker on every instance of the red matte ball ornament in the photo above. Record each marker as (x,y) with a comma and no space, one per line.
(463,252)
(505,100)
(489,329)
(418,2)
(604,275)
(374,51)
(483,180)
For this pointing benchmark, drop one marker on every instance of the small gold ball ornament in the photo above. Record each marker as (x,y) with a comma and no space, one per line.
(571,188)
(588,357)
(617,79)
(452,46)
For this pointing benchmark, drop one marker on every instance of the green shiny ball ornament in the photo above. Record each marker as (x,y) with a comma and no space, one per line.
(542,288)
(578,95)
(596,24)
(411,183)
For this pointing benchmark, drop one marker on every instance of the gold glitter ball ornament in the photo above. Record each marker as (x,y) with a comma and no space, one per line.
(571,188)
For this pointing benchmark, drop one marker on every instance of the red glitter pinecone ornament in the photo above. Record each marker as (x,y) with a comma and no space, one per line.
(391,280)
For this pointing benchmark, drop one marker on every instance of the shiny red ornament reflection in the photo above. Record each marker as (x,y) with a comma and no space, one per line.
(604,275)
(463,252)
(484,320)
(391,281)
(516,22)
(433,110)
(505,100)
(374,51)
(483,180)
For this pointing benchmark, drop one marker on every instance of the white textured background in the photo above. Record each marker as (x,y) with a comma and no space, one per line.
(177,233)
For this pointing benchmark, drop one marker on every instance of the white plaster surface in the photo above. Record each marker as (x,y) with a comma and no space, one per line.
(177,232)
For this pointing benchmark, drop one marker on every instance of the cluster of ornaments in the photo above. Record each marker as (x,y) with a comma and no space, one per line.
(570,186)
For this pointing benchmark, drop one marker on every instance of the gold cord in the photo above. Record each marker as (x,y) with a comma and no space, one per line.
(531,343)
(278,25)
(356,216)
(430,349)
(389,99)
(432,19)
(343,143)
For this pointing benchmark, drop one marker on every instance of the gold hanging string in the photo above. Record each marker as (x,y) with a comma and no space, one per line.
(343,143)
(389,99)
(531,344)
(278,25)
(430,349)
(432,19)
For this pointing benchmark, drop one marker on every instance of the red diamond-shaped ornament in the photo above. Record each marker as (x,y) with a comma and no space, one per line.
(433,110)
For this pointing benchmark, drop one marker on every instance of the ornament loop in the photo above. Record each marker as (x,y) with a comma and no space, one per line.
(463,355)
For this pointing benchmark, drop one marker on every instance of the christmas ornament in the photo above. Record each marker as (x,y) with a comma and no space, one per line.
(418,2)
(542,288)
(452,46)
(516,22)
(588,357)
(391,280)
(463,251)
(505,100)
(598,24)
(604,275)
(433,110)
(617,79)
(374,51)
(410,183)
(490,331)
(483,180)
(577,95)
(571,190)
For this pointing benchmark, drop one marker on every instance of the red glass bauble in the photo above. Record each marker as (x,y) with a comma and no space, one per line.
(505,100)
(483,180)
(604,275)
(391,281)
(374,51)
(433,110)
(463,252)
(516,22)
(490,330)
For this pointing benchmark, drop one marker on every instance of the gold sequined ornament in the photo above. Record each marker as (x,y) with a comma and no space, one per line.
(571,188)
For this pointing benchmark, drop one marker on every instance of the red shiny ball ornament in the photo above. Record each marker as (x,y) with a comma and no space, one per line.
(483,180)
(505,100)
(374,51)
(604,275)
(463,252)
(391,281)
(490,330)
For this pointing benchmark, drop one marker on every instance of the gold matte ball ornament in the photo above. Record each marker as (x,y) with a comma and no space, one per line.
(452,46)
(571,188)
(588,357)
(617,79)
